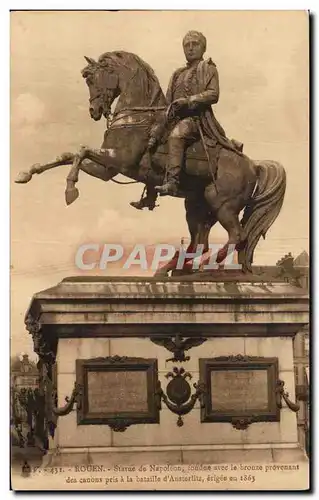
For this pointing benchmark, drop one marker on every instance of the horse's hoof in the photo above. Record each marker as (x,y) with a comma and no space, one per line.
(23,177)
(221,255)
(160,273)
(71,195)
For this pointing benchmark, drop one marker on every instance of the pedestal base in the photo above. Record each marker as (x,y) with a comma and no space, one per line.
(170,455)
(235,322)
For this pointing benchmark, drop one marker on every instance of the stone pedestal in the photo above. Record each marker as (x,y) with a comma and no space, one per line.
(97,318)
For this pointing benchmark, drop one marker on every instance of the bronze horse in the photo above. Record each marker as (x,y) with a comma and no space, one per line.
(239,183)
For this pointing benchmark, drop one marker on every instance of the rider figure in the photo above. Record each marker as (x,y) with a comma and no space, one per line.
(182,93)
(191,92)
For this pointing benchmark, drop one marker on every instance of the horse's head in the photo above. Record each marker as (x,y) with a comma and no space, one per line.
(103,83)
(124,75)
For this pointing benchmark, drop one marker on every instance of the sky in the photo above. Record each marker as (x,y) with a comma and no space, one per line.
(262,60)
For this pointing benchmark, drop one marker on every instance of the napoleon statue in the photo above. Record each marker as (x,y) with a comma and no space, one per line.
(175,146)
(192,90)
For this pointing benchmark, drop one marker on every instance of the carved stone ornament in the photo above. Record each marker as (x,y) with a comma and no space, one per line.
(178,398)
(237,358)
(115,359)
(282,395)
(120,424)
(178,345)
(41,346)
(241,423)
(75,399)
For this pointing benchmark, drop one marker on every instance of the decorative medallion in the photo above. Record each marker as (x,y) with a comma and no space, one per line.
(178,397)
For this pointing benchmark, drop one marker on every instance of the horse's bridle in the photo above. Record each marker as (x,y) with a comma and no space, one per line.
(95,97)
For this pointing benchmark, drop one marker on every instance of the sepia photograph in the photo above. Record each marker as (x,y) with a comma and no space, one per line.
(159,252)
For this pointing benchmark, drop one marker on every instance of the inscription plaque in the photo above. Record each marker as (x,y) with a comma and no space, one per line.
(239,390)
(239,386)
(118,391)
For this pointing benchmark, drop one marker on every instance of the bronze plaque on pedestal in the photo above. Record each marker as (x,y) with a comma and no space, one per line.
(239,387)
(118,391)
(239,390)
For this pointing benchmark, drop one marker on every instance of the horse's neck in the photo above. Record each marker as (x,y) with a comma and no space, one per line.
(139,90)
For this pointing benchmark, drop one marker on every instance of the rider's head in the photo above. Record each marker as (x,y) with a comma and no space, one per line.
(194,45)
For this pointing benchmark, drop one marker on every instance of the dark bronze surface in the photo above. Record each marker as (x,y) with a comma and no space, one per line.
(230,181)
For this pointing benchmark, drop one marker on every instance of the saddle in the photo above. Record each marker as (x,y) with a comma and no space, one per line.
(195,157)
(195,164)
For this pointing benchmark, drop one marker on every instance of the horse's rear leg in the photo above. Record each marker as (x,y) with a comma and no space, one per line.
(200,221)
(229,220)
(227,216)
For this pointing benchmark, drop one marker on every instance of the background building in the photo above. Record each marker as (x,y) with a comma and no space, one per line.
(301,361)
(24,379)
(24,373)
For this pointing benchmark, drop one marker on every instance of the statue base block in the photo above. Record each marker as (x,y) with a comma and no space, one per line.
(228,343)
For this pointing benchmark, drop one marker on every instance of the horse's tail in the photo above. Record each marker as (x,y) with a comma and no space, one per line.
(263,208)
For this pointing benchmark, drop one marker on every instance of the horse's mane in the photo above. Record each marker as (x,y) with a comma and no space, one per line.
(122,58)
(131,61)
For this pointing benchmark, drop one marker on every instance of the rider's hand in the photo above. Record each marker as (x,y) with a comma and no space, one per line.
(151,143)
(180,103)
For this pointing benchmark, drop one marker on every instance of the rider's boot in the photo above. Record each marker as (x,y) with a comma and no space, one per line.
(149,201)
(176,149)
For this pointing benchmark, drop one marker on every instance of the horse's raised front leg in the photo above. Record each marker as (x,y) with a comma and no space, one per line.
(37,168)
(71,192)
(97,167)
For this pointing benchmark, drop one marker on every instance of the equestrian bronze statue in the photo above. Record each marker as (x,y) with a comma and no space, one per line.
(175,146)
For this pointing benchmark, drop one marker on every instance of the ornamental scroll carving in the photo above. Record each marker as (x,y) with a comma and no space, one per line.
(45,346)
(281,394)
